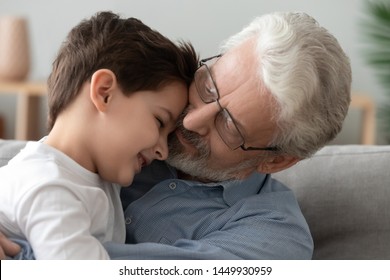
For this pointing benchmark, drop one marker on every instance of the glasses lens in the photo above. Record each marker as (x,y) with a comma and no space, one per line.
(227,129)
(205,85)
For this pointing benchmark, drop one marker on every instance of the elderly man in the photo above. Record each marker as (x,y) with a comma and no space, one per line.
(278,92)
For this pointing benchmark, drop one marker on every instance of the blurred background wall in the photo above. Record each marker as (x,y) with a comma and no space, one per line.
(205,23)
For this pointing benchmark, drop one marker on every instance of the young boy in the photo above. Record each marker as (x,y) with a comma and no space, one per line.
(116,90)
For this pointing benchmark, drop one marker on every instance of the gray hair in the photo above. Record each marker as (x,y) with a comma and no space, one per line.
(304,68)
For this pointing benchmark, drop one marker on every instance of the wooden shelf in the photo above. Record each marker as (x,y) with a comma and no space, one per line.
(27,109)
(365,103)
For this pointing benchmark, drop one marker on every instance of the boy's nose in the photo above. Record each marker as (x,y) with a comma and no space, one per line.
(161,149)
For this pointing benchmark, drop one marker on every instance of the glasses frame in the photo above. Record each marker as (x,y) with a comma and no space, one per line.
(226,111)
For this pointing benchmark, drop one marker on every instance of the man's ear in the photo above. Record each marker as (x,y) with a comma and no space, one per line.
(276,163)
(103,87)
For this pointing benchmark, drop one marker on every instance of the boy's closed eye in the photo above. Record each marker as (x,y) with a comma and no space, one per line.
(160,122)
(167,119)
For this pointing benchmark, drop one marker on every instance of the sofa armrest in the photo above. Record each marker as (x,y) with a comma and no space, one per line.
(344,194)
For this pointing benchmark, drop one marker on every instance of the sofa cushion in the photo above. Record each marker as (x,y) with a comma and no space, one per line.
(344,194)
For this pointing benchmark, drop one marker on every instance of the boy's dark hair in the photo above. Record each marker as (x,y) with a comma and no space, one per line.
(141,59)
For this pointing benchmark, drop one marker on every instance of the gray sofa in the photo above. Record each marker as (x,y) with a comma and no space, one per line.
(344,193)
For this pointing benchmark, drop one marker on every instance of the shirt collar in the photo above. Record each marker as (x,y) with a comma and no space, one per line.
(236,190)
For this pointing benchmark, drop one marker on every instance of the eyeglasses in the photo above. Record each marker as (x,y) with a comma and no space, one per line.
(224,122)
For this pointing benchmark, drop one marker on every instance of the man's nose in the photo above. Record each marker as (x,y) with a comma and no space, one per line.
(200,119)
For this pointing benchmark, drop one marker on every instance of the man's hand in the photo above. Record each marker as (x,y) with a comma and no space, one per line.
(7,247)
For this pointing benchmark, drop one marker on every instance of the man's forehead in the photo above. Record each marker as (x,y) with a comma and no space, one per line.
(241,56)
(234,68)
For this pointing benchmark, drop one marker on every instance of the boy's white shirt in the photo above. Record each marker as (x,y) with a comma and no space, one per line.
(61,208)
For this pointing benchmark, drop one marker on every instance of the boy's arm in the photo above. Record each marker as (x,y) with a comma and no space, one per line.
(59,225)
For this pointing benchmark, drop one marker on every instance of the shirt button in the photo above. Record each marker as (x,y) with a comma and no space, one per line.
(128,220)
(172,186)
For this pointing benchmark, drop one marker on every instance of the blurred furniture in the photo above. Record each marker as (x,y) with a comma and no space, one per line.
(365,103)
(1,127)
(27,107)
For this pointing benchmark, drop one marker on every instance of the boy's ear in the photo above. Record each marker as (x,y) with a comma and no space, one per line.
(276,163)
(103,87)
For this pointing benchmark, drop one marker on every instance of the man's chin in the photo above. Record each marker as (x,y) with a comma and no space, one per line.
(193,159)
(198,169)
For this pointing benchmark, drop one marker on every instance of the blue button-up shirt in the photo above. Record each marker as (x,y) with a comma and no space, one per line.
(255,218)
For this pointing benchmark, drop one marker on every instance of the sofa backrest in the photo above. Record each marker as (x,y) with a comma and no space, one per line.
(344,194)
